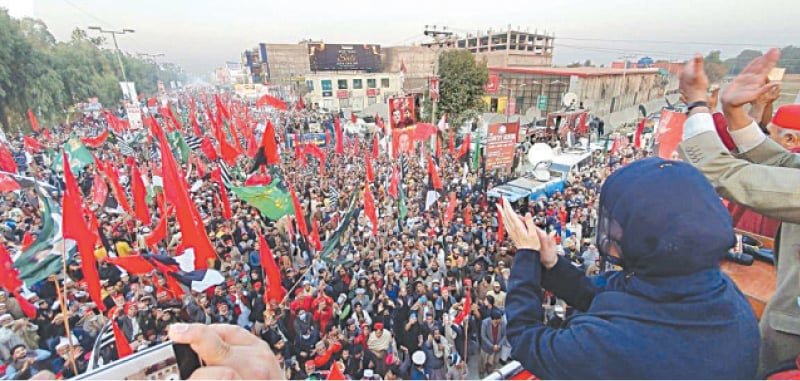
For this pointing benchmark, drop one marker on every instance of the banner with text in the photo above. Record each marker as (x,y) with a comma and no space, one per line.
(500,144)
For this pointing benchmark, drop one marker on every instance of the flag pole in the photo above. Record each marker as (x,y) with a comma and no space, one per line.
(63,301)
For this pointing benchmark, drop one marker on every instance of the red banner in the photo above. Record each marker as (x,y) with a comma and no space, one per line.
(402,141)
(493,84)
(434,88)
(670,134)
(342,94)
(373,92)
(401,112)
(500,144)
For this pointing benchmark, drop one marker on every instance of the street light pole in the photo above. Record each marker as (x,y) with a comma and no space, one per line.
(114,34)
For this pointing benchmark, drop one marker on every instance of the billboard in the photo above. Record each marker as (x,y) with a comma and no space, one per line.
(401,112)
(574,122)
(403,141)
(344,57)
(492,84)
(500,144)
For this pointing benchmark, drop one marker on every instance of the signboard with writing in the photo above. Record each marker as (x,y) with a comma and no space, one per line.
(344,57)
(134,115)
(493,84)
(341,93)
(373,92)
(500,143)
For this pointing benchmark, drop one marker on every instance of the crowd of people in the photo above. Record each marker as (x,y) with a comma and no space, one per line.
(419,291)
(387,307)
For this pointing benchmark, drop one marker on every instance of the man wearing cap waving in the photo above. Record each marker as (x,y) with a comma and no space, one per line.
(764,178)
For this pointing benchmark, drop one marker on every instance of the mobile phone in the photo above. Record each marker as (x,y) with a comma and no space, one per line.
(167,361)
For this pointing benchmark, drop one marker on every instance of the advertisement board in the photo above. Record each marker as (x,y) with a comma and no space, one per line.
(373,92)
(316,139)
(500,143)
(344,57)
(134,115)
(492,84)
(401,112)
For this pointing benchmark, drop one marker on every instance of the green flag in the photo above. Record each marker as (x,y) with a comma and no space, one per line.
(44,256)
(270,200)
(178,144)
(332,248)
(79,156)
(476,156)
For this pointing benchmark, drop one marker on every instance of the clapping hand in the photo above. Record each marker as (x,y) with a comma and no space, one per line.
(751,83)
(526,235)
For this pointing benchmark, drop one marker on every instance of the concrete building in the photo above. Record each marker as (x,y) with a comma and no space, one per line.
(279,64)
(602,91)
(350,90)
(420,63)
(510,48)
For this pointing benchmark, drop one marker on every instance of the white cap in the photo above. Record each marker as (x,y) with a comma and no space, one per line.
(418,357)
(368,373)
(63,343)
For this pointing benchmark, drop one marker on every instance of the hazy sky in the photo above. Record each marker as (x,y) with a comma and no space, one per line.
(203,34)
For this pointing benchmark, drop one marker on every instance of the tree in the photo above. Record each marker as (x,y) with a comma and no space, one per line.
(715,69)
(735,65)
(461,82)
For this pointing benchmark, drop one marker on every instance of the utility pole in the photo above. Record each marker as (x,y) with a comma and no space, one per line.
(442,38)
(114,34)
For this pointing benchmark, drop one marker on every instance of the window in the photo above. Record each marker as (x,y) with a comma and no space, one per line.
(385,83)
(344,102)
(357,84)
(342,84)
(371,101)
(310,84)
(326,85)
(371,83)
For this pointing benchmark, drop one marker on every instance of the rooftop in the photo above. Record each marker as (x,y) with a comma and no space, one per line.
(576,71)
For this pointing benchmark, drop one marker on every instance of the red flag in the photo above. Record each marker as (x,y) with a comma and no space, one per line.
(27,308)
(275,291)
(229,152)
(9,276)
(270,145)
(314,150)
(300,105)
(369,209)
(356,147)
(27,240)
(193,231)
(464,147)
(116,188)
(208,149)
(465,311)
(221,107)
(337,126)
(434,172)
(202,168)
(395,183)
(298,212)
(7,162)
(451,208)
(501,229)
(122,344)
(375,146)
(195,126)
(353,118)
(8,183)
(96,141)
(235,136)
(46,134)
(252,146)
(452,147)
(290,229)
(34,122)
(468,216)
(216,175)
(142,211)
(370,173)
(615,146)
(99,189)
(31,145)
(74,227)
(268,100)
(423,131)
(160,232)
(335,374)
(152,102)
(133,264)
(315,235)
(299,151)
(637,139)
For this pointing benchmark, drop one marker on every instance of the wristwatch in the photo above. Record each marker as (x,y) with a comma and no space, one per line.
(692,105)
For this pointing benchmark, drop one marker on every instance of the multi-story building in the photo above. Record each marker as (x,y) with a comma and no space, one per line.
(600,90)
(278,64)
(510,48)
(351,90)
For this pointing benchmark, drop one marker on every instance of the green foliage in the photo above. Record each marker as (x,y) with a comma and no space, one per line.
(461,82)
(715,69)
(790,59)
(49,76)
